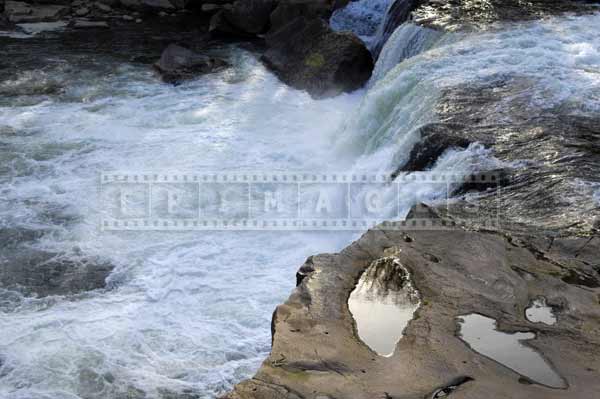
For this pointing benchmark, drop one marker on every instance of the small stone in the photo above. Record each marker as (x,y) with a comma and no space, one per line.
(103,7)
(138,21)
(162,14)
(81,24)
(80,12)
(127,17)
(210,7)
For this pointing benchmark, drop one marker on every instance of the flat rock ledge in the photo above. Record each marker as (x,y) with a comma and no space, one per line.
(316,353)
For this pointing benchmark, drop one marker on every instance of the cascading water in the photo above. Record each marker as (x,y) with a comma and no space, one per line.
(189,312)
(406,41)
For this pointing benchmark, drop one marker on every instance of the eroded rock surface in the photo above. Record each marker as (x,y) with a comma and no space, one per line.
(475,14)
(553,151)
(316,352)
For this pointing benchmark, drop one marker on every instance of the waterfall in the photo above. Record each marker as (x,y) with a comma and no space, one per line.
(397,13)
(407,41)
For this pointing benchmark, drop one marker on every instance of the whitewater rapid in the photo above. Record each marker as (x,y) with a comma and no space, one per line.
(190,311)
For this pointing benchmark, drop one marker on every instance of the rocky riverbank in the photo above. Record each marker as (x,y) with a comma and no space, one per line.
(317,353)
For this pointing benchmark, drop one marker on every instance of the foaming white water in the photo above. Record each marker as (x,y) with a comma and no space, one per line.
(559,54)
(187,310)
(362,17)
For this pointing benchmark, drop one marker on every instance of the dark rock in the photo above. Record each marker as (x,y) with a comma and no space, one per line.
(220,25)
(250,16)
(178,63)
(308,55)
(435,140)
(148,5)
(288,10)
(84,24)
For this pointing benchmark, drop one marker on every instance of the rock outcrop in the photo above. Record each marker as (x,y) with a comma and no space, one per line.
(308,55)
(467,14)
(561,148)
(178,63)
(316,352)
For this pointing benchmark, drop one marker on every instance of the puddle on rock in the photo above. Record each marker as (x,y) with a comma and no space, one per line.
(540,312)
(383,303)
(507,349)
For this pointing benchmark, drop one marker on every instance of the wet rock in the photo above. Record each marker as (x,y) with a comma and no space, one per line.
(469,14)
(19,12)
(561,148)
(435,140)
(43,273)
(178,63)
(308,55)
(315,349)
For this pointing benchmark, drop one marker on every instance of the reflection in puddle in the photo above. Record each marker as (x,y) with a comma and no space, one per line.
(382,304)
(540,312)
(480,333)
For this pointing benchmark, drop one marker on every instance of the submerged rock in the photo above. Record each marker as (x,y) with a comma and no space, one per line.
(178,63)
(308,55)
(44,273)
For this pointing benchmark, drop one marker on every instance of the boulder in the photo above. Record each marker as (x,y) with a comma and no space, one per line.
(288,10)
(308,55)
(178,63)
(19,12)
(250,16)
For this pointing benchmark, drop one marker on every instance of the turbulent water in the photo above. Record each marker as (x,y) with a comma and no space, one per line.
(190,312)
